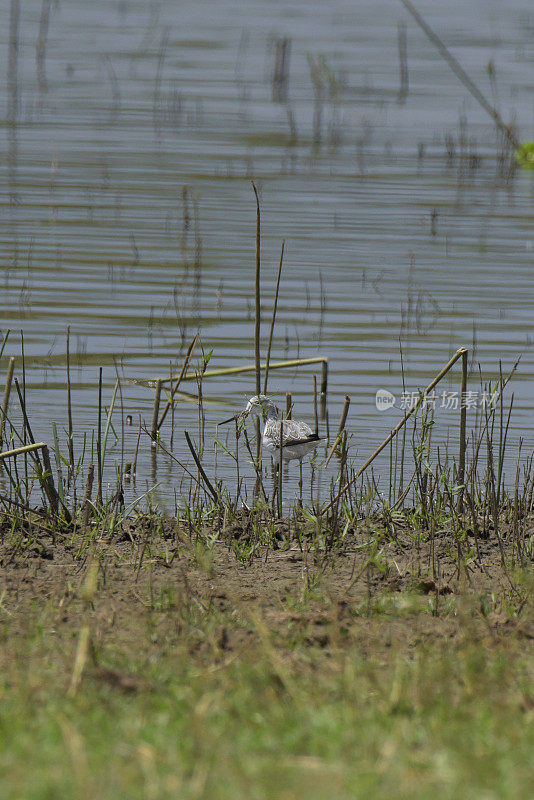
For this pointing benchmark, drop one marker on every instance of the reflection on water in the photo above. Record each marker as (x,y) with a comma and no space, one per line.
(133,131)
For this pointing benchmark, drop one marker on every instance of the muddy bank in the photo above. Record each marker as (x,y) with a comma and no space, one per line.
(372,591)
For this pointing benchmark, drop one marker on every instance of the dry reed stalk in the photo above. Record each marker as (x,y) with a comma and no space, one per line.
(174,388)
(201,415)
(7,392)
(273,319)
(69,416)
(257,324)
(134,465)
(289,405)
(99,442)
(214,493)
(463,421)
(341,428)
(257,293)
(119,386)
(59,467)
(24,414)
(171,443)
(216,373)
(4,341)
(280,471)
(398,427)
(155,414)
(45,476)
(47,481)
(27,448)
(324,377)
(23,356)
(315,409)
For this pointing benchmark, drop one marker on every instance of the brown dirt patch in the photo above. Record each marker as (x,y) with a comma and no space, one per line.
(215,606)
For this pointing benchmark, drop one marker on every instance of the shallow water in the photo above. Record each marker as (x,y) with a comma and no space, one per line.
(130,144)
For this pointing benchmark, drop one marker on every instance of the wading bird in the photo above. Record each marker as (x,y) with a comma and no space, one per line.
(296,436)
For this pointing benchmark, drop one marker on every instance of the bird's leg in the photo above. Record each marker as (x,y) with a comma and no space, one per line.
(300,483)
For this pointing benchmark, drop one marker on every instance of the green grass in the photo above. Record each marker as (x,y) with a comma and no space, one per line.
(281,718)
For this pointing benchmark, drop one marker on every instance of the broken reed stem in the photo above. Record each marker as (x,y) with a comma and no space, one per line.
(344,414)
(174,388)
(324,377)
(462,74)
(463,422)
(398,427)
(5,403)
(205,478)
(275,306)
(341,428)
(216,373)
(289,405)
(27,448)
(99,442)
(4,341)
(155,414)
(45,477)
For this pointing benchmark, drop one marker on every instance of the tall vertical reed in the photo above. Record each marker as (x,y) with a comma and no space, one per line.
(99,442)
(72,476)
(273,318)
(257,293)
(257,323)
(463,421)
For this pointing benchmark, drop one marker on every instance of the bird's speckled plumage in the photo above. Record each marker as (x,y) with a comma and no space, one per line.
(298,439)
